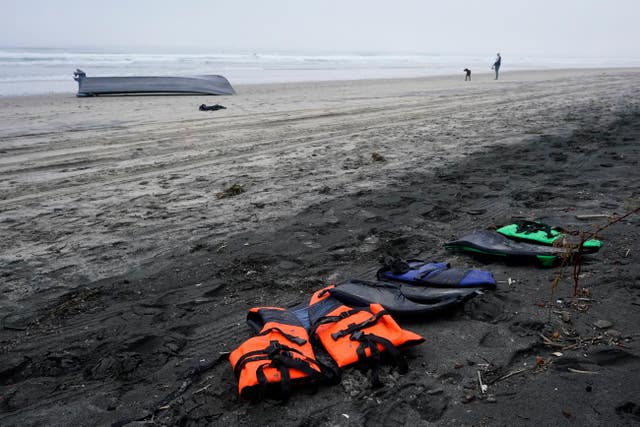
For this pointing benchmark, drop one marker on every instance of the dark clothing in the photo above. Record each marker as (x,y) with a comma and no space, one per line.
(496,65)
(467,75)
(215,107)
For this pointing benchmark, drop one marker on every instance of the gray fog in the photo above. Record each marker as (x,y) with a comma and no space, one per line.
(537,27)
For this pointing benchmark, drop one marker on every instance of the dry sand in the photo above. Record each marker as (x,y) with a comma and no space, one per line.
(121,270)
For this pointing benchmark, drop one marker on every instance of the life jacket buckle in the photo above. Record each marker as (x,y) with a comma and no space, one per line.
(357,335)
(274,348)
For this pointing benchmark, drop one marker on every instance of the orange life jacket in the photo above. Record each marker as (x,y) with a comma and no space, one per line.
(352,335)
(279,356)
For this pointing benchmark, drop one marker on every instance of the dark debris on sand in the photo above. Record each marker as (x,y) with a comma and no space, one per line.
(232,191)
(377,157)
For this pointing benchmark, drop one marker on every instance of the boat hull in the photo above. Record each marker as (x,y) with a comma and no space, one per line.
(202,85)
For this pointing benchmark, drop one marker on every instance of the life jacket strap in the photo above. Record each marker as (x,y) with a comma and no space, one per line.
(391,349)
(285,378)
(268,353)
(371,341)
(331,319)
(292,338)
(251,356)
(373,361)
(359,326)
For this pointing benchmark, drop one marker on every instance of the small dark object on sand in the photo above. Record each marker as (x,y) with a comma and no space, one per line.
(468,398)
(378,157)
(204,107)
(234,190)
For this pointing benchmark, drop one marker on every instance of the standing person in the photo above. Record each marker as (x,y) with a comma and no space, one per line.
(467,75)
(496,65)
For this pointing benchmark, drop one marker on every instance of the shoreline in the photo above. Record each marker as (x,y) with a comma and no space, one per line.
(444,77)
(123,270)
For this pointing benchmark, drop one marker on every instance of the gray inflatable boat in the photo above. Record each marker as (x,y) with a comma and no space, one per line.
(201,85)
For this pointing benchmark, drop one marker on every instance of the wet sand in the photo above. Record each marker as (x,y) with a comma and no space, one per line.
(125,276)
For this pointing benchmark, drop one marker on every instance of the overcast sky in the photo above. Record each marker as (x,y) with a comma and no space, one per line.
(540,27)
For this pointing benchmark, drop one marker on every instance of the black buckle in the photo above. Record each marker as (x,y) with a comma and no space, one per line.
(274,348)
(357,335)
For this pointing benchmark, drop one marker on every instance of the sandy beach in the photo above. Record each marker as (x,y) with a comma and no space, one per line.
(125,274)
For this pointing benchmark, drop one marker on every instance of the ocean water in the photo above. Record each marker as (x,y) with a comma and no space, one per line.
(38,71)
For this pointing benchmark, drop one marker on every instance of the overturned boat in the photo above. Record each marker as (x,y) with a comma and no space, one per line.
(201,85)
